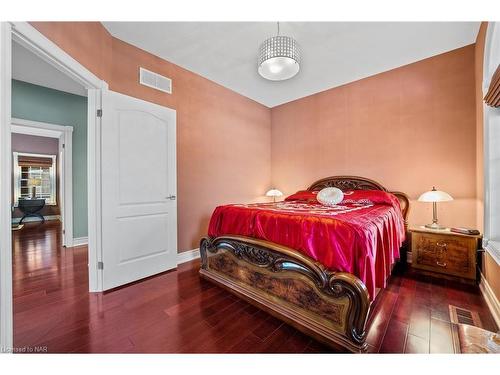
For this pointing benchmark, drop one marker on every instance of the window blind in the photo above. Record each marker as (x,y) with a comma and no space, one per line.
(492,97)
(34,161)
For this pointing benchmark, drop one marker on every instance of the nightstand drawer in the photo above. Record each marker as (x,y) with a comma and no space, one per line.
(449,254)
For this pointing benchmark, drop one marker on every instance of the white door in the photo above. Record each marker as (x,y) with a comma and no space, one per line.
(139,207)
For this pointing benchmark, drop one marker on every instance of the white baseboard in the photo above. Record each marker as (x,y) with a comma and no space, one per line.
(80,241)
(491,299)
(31,219)
(187,256)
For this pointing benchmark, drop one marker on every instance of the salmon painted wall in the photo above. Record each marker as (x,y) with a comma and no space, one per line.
(409,128)
(223,138)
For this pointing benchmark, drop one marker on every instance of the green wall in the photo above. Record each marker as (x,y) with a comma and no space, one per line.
(37,103)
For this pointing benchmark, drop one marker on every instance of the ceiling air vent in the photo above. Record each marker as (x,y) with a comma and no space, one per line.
(155,81)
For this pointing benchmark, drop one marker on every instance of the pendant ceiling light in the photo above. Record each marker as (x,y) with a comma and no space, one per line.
(279,57)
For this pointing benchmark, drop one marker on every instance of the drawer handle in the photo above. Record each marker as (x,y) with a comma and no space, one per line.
(441,264)
(441,244)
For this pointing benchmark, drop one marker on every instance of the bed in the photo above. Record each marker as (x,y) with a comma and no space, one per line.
(318,269)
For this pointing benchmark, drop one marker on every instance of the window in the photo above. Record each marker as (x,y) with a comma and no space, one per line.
(34,172)
(491,240)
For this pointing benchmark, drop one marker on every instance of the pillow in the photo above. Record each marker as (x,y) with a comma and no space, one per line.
(350,197)
(370,197)
(303,195)
(330,196)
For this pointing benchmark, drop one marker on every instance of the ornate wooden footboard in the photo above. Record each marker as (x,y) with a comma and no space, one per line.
(332,307)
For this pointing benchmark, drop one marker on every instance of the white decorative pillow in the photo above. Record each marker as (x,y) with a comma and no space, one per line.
(330,196)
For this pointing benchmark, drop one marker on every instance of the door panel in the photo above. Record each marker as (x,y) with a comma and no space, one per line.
(142,236)
(151,143)
(139,234)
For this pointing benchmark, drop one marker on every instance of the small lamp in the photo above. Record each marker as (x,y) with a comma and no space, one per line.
(34,182)
(274,193)
(435,196)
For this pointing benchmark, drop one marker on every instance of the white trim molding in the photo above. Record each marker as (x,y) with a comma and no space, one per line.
(80,241)
(6,312)
(94,101)
(38,128)
(187,256)
(491,299)
(30,38)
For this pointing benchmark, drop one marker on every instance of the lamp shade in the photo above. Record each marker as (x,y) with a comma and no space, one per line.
(274,193)
(435,196)
(35,182)
(279,58)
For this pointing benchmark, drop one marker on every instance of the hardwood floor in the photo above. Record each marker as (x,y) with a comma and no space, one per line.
(177,312)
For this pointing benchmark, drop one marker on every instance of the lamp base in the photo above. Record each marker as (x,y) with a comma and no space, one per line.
(435,226)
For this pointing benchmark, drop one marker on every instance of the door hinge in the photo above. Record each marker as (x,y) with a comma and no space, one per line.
(99,113)
(63,145)
(100,265)
(64,231)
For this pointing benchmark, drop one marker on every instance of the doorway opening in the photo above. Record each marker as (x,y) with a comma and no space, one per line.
(42,173)
(21,37)
(49,116)
(48,177)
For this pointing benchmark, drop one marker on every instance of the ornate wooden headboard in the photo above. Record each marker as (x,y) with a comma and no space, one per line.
(361,183)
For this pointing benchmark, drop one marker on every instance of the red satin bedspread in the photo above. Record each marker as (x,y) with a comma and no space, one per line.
(362,239)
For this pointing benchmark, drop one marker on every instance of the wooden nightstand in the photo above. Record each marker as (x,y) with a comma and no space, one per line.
(444,252)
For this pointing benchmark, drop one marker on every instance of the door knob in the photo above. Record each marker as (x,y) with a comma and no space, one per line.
(172,197)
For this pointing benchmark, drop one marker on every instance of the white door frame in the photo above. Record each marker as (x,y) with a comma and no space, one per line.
(30,38)
(65,136)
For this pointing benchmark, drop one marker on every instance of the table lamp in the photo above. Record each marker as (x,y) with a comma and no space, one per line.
(34,182)
(435,196)
(274,193)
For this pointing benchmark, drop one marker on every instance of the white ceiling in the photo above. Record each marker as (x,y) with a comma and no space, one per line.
(28,67)
(333,53)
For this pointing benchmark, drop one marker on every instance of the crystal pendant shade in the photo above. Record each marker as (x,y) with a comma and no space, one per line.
(279,58)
